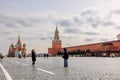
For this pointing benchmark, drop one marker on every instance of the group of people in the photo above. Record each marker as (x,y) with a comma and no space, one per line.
(65,57)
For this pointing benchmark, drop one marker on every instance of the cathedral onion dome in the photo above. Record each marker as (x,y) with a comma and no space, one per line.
(12,45)
(118,37)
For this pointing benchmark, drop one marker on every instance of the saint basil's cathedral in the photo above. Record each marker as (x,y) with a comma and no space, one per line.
(18,49)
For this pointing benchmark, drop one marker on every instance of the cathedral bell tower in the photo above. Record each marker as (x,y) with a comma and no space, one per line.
(56,44)
(19,43)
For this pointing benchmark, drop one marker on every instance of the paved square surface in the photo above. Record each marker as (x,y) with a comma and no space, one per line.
(80,68)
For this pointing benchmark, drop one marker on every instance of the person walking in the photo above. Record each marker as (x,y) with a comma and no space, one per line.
(20,55)
(65,56)
(33,57)
(1,57)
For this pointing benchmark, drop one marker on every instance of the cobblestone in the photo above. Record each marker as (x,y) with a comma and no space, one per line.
(80,68)
(2,76)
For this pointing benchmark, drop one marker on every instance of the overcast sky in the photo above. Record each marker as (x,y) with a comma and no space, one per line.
(79,22)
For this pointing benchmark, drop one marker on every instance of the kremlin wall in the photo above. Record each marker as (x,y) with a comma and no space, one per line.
(103,49)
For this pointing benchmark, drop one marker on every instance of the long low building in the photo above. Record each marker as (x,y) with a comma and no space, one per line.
(104,48)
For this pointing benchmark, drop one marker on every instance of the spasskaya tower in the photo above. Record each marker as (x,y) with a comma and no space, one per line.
(56,44)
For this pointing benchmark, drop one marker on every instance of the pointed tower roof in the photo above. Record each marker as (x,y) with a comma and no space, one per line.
(56,28)
(56,37)
(19,37)
(19,43)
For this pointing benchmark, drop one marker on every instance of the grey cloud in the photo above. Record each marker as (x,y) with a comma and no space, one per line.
(94,24)
(78,20)
(12,38)
(7,21)
(104,40)
(117,27)
(50,38)
(3,18)
(97,21)
(14,21)
(89,13)
(94,19)
(46,38)
(75,31)
(26,38)
(108,23)
(7,32)
(23,22)
(35,20)
(45,35)
(113,13)
(89,39)
(68,37)
(91,17)
(11,25)
(43,38)
(65,22)
(90,33)
(36,38)
(67,44)
(20,31)
(117,11)
(32,38)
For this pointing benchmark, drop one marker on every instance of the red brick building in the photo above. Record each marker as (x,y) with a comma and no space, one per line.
(56,44)
(110,48)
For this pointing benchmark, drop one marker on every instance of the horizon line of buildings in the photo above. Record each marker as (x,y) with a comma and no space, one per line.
(103,48)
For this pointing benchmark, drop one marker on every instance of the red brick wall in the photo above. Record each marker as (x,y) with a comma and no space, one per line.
(51,51)
(55,47)
(93,47)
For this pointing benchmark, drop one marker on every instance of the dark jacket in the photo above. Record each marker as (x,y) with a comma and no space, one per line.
(1,56)
(65,55)
(33,56)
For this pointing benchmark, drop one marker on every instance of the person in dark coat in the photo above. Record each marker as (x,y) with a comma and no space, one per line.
(1,56)
(65,56)
(33,56)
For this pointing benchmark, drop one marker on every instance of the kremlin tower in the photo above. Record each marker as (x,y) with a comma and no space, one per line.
(56,44)
(14,51)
